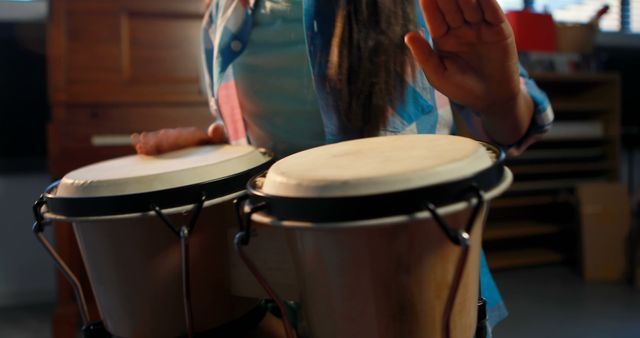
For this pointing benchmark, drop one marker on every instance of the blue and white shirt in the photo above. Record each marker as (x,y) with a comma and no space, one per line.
(226,31)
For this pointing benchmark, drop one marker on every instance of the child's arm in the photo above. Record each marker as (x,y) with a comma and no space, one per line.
(474,62)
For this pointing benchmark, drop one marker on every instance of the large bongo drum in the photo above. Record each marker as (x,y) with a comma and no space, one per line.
(153,234)
(385,232)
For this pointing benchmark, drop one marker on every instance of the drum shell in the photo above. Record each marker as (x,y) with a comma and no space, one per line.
(134,267)
(390,278)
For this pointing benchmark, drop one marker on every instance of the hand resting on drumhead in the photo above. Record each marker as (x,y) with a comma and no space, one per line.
(166,140)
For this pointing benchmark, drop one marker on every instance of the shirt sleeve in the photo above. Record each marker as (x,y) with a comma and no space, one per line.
(206,64)
(541,121)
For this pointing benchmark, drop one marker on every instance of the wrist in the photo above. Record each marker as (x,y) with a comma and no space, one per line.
(507,120)
(504,104)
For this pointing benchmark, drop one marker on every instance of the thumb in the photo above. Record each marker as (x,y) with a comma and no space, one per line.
(216,133)
(426,57)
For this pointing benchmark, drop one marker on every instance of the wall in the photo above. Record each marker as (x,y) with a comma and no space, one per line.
(626,61)
(26,271)
(24,109)
(621,53)
(630,175)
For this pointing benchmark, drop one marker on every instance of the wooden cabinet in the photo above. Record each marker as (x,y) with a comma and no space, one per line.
(125,51)
(537,221)
(115,67)
(120,66)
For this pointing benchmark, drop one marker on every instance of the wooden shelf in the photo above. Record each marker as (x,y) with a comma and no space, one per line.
(582,146)
(551,154)
(522,258)
(559,168)
(586,129)
(575,77)
(542,185)
(499,231)
(579,107)
(509,202)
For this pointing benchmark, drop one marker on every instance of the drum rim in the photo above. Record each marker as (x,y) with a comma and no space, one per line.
(126,205)
(265,219)
(340,209)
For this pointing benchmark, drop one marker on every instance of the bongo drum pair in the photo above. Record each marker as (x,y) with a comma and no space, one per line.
(383,233)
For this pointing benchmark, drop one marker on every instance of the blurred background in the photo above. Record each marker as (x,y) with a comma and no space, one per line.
(78,76)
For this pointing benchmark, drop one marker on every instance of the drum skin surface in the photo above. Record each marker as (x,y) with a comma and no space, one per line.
(139,173)
(375,165)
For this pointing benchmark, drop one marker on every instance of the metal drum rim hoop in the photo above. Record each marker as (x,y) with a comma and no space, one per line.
(351,208)
(135,203)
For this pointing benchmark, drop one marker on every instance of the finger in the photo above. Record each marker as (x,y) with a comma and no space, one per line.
(216,133)
(434,18)
(452,13)
(471,10)
(146,149)
(428,60)
(492,12)
(162,141)
(180,138)
(143,143)
(166,140)
(135,139)
(136,142)
(519,149)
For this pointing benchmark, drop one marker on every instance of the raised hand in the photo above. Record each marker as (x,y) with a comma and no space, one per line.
(473,60)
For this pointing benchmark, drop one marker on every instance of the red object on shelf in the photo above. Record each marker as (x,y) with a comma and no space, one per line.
(534,32)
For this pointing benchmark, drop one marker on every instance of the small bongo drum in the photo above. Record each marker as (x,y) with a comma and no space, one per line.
(385,232)
(153,234)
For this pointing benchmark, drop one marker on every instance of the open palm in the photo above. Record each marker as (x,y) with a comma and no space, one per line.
(473,60)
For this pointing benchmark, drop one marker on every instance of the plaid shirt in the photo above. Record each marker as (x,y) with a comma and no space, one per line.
(226,30)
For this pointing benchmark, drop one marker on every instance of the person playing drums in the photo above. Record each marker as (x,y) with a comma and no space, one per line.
(289,75)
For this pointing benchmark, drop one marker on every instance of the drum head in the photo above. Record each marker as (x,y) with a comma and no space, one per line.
(376,165)
(131,184)
(378,177)
(140,173)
